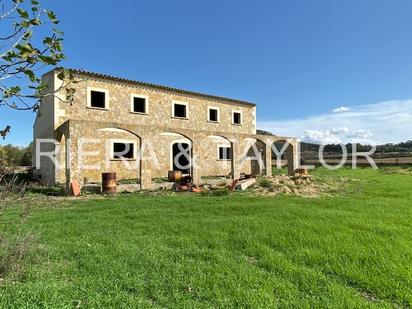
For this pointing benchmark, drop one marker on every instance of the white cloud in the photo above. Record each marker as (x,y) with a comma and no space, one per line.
(384,122)
(341,109)
(335,135)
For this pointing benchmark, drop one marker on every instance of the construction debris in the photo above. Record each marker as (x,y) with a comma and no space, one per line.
(74,188)
(92,188)
(306,186)
(244,184)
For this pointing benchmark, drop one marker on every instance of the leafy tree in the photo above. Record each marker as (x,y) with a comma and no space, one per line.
(29,43)
(26,158)
(11,154)
(16,156)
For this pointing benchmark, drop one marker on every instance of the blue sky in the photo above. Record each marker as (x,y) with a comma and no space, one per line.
(300,61)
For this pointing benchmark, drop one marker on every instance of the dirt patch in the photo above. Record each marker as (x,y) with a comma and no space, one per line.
(397,170)
(305,186)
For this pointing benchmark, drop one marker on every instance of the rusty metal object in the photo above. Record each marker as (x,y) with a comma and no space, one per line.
(109,183)
(302,171)
(175,176)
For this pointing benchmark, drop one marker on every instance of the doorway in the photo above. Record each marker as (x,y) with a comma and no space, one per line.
(181,157)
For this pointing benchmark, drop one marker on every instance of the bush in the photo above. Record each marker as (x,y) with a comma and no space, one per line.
(219,192)
(265,183)
(45,190)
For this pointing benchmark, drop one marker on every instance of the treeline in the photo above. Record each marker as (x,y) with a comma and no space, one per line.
(15,155)
(404,147)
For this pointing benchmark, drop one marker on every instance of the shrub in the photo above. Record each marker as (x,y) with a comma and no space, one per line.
(45,190)
(265,183)
(219,192)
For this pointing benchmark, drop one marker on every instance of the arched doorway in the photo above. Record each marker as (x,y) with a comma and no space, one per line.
(215,158)
(63,160)
(117,150)
(174,153)
(255,152)
(283,157)
(181,155)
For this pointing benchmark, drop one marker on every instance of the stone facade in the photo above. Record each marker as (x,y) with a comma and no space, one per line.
(85,134)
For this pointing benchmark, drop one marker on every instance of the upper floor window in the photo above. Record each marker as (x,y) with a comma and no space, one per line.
(140,104)
(98,98)
(213,114)
(180,110)
(236,117)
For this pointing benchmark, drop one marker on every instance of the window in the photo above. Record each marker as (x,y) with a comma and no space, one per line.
(97,98)
(213,114)
(225,153)
(237,117)
(123,150)
(180,110)
(139,104)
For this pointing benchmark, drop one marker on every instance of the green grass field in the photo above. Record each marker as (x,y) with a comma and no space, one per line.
(131,251)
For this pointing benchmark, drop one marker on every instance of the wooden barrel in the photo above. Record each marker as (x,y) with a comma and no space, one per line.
(175,176)
(109,182)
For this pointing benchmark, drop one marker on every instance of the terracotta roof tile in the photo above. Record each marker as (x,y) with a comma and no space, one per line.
(165,88)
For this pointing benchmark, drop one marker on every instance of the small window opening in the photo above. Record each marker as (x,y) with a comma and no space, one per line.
(123,151)
(180,110)
(139,105)
(213,114)
(97,99)
(237,118)
(225,153)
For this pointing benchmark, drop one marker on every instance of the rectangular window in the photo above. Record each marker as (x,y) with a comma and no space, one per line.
(225,153)
(179,110)
(139,105)
(237,118)
(97,99)
(123,150)
(213,115)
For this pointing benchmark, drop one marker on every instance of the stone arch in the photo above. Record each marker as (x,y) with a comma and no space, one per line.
(165,143)
(209,151)
(62,170)
(287,150)
(126,169)
(63,157)
(257,154)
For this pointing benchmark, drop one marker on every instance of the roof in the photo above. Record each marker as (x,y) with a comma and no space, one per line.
(160,87)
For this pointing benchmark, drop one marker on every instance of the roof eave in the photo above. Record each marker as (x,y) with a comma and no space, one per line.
(160,87)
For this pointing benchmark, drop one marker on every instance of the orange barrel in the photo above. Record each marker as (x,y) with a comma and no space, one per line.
(175,176)
(109,182)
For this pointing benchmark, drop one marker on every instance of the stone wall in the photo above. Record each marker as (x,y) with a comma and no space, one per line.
(159,108)
(158,141)
(79,127)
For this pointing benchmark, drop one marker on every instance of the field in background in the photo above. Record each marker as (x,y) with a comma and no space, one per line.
(353,249)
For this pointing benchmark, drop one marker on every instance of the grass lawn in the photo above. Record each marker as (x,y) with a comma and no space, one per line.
(349,250)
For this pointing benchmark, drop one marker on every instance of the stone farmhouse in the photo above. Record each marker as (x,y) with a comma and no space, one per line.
(148,125)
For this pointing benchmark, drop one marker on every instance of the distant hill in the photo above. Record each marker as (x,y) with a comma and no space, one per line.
(310,150)
(404,148)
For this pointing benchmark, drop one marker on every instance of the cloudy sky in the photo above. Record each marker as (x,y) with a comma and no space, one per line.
(382,122)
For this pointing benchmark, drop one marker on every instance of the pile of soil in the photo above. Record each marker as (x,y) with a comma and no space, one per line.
(306,186)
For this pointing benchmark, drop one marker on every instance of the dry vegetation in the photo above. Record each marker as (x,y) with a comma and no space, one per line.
(306,186)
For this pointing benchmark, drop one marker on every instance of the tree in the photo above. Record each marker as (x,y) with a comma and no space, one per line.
(23,55)
(25,51)
(15,155)
(26,158)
